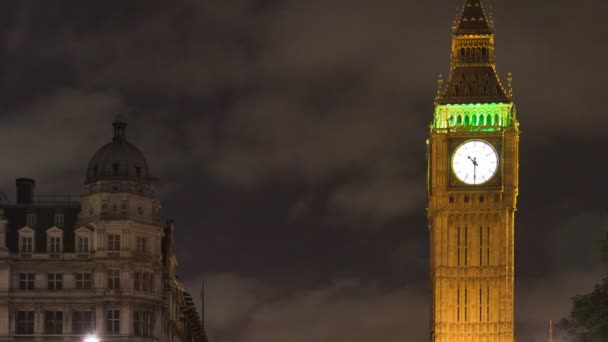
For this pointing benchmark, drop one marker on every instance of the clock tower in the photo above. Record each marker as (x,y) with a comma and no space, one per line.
(473,157)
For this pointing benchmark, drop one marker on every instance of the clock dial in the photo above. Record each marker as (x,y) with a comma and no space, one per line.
(475,162)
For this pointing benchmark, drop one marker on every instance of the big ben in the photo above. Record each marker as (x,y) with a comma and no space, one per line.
(473,158)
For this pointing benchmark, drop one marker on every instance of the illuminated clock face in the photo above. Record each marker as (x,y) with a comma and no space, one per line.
(475,162)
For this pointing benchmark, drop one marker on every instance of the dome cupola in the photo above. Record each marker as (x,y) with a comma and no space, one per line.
(118,160)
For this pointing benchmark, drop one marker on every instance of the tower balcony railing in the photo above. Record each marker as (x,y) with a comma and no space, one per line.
(51,256)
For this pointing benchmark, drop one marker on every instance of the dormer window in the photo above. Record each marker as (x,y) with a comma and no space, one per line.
(59,219)
(54,241)
(83,242)
(54,245)
(31,219)
(27,244)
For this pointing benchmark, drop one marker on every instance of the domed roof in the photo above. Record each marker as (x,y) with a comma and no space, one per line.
(118,160)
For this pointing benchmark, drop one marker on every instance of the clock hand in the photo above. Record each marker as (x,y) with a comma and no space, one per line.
(475,165)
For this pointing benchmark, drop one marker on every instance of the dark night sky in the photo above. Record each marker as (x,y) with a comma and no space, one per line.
(289,139)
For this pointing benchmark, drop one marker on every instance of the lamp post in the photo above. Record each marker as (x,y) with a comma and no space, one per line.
(91,338)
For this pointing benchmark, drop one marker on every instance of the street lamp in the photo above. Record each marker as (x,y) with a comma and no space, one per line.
(91,338)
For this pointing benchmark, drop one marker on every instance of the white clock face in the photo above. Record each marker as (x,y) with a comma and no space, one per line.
(475,162)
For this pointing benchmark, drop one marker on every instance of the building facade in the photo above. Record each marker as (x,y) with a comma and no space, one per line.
(102,264)
(473,153)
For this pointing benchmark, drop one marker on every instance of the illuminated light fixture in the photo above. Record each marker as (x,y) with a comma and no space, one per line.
(474,117)
(91,338)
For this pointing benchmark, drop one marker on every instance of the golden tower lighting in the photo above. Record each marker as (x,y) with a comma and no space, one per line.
(473,156)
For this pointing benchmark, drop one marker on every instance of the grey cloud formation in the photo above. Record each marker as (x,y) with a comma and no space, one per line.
(289,140)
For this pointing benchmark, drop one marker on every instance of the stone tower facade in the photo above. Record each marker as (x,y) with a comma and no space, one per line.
(473,153)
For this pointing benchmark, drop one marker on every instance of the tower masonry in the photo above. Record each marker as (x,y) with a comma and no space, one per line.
(473,158)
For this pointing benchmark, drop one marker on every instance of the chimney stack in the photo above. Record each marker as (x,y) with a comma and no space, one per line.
(25,190)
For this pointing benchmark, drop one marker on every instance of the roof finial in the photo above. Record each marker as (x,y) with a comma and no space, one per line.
(120,126)
(510,84)
(439,86)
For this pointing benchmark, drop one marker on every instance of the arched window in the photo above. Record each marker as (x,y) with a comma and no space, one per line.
(483,52)
(474,120)
(461,56)
(481,120)
(489,120)
(466,120)
(459,120)
(451,120)
(496,120)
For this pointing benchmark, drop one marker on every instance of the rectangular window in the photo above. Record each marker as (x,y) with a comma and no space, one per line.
(137,281)
(458,304)
(82,322)
(451,199)
(481,246)
(53,322)
(24,323)
(142,323)
(150,282)
(466,246)
(466,199)
(26,281)
(114,279)
(488,304)
(466,304)
(141,245)
(497,198)
(27,244)
(83,281)
(54,244)
(55,281)
(114,242)
(459,247)
(113,321)
(31,219)
(145,281)
(482,199)
(83,244)
(59,219)
(480,303)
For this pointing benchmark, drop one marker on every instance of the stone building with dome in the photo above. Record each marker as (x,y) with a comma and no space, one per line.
(102,264)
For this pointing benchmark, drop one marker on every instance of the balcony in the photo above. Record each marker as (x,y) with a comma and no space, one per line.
(82,255)
(25,255)
(55,256)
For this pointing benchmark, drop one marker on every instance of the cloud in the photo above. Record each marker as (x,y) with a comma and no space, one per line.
(345,310)
(39,139)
